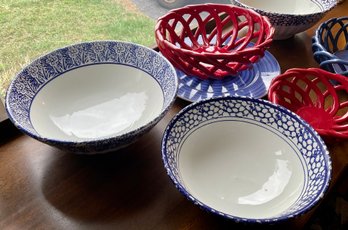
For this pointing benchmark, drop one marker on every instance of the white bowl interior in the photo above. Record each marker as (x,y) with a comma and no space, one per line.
(241,168)
(284,6)
(96,101)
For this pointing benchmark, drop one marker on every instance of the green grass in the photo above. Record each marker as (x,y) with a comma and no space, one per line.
(30,28)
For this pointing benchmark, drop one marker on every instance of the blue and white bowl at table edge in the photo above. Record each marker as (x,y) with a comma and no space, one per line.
(246,159)
(289,17)
(92,97)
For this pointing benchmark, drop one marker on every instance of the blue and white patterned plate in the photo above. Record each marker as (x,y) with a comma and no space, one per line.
(252,82)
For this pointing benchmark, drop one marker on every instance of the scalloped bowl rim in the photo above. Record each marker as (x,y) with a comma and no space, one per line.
(224,55)
(317,41)
(309,71)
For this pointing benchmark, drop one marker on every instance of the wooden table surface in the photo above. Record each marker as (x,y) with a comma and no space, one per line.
(42,187)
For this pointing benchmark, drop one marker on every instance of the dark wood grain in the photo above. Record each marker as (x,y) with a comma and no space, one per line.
(44,188)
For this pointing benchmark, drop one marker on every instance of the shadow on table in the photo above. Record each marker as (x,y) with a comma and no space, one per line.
(7,131)
(106,187)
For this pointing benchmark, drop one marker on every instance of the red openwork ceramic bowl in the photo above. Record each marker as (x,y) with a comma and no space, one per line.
(318,96)
(213,40)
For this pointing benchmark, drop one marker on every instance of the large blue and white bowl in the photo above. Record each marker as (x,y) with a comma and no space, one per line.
(246,159)
(289,17)
(92,97)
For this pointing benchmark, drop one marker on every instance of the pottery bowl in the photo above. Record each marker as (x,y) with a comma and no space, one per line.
(92,97)
(318,96)
(246,159)
(330,45)
(213,40)
(289,17)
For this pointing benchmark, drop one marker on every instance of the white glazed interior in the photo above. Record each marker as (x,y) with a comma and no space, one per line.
(298,7)
(241,168)
(96,101)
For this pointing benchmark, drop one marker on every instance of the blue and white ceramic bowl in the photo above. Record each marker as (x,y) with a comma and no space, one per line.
(246,159)
(92,97)
(289,17)
(330,45)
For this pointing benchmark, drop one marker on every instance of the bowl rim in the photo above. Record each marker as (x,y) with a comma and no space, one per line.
(278,81)
(320,51)
(231,57)
(325,10)
(322,29)
(92,141)
(264,20)
(182,189)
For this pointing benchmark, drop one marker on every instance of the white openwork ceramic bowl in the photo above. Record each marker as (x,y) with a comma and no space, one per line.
(289,17)
(246,159)
(92,97)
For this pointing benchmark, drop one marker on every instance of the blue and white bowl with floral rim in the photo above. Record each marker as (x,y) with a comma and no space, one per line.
(246,159)
(92,97)
(289,17)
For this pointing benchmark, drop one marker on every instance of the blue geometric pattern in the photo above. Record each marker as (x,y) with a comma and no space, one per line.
(252,82)
(278,119)
(44,69)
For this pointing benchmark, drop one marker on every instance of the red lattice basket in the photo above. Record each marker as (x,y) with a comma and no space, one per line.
(318,96)
(213,40)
